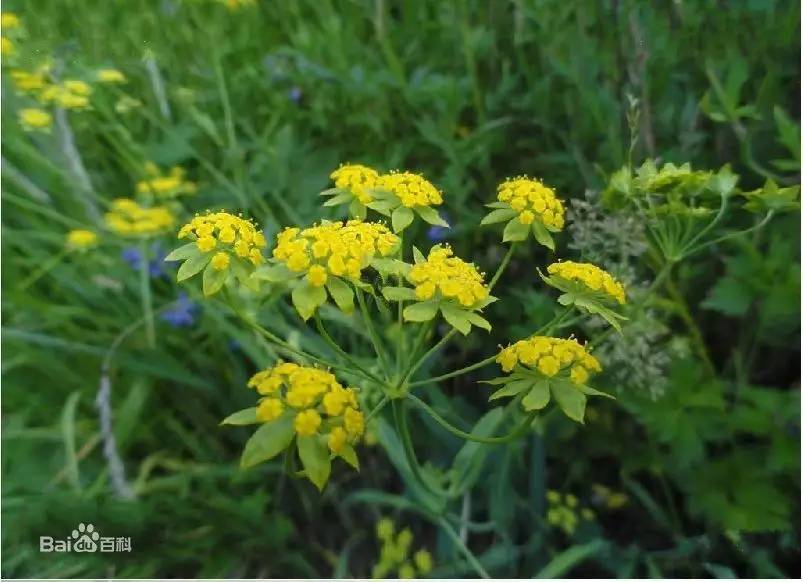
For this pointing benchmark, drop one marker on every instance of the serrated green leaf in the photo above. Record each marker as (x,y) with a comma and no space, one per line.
(307,298)
(213,279)
(419,312)
(498,215)
(193,266)
(341,293)
(241,417)
(314,455)
(515,231)
(571,400)
(183,252)
(401,218)
(268,441)
(537,397)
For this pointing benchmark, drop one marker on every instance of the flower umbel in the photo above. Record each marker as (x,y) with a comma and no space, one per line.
(81,239)
(532,200)
(589,276)
(356,180)
(128,218)
(165,185)
(444,275)
(411,189)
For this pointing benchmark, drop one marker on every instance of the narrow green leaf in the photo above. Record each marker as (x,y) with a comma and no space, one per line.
(498,215)
(398,294)
(268,441)
(511,389)
(349,455)
(418,256)
(277,273)
(186,251)
(476,319)
(341,198)
(571,400)
(314,455)
(542,235)
(431,216)
(241,417)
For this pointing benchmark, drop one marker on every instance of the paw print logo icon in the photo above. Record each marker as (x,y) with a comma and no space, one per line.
(86,538)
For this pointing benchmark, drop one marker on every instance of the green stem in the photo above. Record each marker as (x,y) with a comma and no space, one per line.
(460,372)
(382,403)
(43,270)
(723,204)
(735,234)
(145,294)
(502,266)
(369,324)
(412,369)
(472,559)
(340,351)
(400,420)
(500,440)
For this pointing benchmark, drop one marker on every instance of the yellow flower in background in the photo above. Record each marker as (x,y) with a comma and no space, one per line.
(532,200)
(81,239)
(172,183)
(590,276)
(35,119)
(70,94)
(550,356)
(394,553)
(111,76)
(411,189)
(26,82)
(77,87)
(128,218)
(10,20)
(357,180)
(450,276)
(237,4)
(333,248)
(230,235)
(6,46)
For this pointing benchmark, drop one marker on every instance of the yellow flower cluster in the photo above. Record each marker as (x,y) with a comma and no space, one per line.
(110,76)
(227,233)
(550,356)
(340,249)
(81,239)
(168,184)
(356,179)
(394,554)
(590,276)
(452,276)
(310,393)
(411,189)
(563,511)
(32,118)
(10,21)
(69,94)
(533,201)
(29,82)
(127,217)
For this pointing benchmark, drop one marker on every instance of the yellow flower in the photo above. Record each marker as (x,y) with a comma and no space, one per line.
(7,47)
(406,571)
(354,422)
(70,94)
(550,356)
(169,184)
(110,76)
(10,20)
(81,239)
(316,276)
(533,201)
(220,261)
(337,439)
(452,276)
(26,82)
(357,180)
(384,529)
(128,218)
(423,561)
(77,87)
(411,189)
(269,409)
(33,119)
(307,422)
(590,276)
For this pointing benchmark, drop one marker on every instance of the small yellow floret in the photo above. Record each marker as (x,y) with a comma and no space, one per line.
(81,239)
(307,422)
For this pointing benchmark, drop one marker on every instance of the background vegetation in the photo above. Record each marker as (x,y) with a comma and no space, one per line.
(687,473)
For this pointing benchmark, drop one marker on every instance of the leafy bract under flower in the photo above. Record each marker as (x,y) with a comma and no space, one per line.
(307,404)
(541,366)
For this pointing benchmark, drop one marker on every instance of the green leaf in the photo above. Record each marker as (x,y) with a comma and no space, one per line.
(307,298)
(418,256)
(277,273)
(341,198)
(542,235)
(193,266)
(497,204)
(515,231)
(537,397)
(571,400)
(788,132)
(469,461)
(398,294)
(729,296)
(331,192)
(213,280)
(456,317)
(513,388)
(242,417)
(401,218)
(314,455)
(186,251)
(423,311)
(498,215)
(593,392)
(357,210)
(383,207)
(341,293)
(431,216)
(561,564)
(268,441)
(478,320)
(386,266)
(349,455)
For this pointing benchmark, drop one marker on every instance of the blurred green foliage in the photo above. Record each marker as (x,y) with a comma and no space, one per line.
(262,102)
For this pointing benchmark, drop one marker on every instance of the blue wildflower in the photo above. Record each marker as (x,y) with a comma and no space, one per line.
(183,312)
(295,94)
(438,233)
(133,256)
